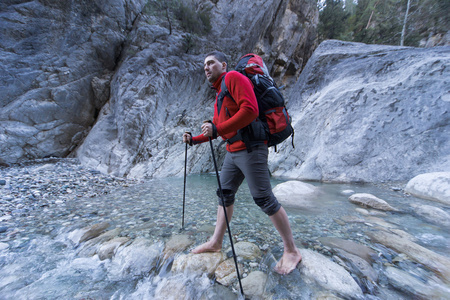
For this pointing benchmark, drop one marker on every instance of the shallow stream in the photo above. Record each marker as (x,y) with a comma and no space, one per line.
(40,261)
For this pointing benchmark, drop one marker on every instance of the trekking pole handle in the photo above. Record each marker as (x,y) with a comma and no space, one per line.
(213,128)
(190,140)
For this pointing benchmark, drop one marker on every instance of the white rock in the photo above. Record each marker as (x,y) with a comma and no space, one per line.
(246,250)
(371,201)
(431,186)
(295,193)
(3,246)
(254,284)
(347,192)
(136,259)
(108,249)
(198,263)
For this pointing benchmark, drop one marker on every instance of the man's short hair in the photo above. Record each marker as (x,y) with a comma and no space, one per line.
(220,56)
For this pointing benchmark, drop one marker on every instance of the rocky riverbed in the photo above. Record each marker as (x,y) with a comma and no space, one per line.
(70,232)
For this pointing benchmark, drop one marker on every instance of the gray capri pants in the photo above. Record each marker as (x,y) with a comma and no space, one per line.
(253,167)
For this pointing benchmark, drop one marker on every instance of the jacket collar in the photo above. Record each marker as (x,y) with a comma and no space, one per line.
(216,85)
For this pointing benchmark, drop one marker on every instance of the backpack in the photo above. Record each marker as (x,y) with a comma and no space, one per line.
(273,123)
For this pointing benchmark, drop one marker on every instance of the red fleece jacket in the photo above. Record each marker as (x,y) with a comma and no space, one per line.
(236,114)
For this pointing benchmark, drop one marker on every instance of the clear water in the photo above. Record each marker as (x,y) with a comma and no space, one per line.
(43,263)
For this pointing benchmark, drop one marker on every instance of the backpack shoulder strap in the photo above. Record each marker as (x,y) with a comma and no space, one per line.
(223,92)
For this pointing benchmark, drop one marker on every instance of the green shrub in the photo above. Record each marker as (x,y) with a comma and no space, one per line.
(193,21)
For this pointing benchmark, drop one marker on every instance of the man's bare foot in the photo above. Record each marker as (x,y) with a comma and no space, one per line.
(206,247)
(288,262)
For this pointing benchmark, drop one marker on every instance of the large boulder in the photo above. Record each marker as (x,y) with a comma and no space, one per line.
(368,113)
(432,186)
(294,193)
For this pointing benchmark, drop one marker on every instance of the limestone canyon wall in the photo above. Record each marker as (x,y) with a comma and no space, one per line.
(115,86)
(50,51)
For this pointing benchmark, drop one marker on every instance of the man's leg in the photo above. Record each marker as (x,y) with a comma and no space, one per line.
(291,256)
(254,167)
(230,179)
(215,243)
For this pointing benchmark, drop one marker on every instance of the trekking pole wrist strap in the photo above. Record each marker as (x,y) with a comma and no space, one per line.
(190,140)
(214,128)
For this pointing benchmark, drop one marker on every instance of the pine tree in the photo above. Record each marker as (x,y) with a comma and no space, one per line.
(333,19)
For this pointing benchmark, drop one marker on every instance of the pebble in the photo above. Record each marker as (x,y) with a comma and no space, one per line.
(53,181)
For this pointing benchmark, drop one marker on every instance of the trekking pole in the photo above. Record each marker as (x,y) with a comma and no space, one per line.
(184,188)
(226,217)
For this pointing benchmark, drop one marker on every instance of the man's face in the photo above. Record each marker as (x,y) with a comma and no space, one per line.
(213,68)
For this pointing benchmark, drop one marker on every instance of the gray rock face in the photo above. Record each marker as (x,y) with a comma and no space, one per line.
(352,112)
(361,112)
(50,51)
(160,91)
(368,113)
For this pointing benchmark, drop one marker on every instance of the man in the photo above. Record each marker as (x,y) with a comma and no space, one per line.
(229,117)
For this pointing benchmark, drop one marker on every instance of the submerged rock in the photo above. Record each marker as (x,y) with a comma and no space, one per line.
(108,249)
(136,259)
(226,272)
(91,247)
(328,274)
(379,222)
(171,288)
(435,262)
(3,246)
(358,265)
(89,232)
(177,243)
(414,286)
(432,214)
(198,263)
(254,284)
(431,186)
(349,246)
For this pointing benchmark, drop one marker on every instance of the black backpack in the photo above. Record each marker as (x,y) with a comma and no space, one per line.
(273,123)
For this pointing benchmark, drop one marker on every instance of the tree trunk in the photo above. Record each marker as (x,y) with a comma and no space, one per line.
(402,39)
(370,18)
